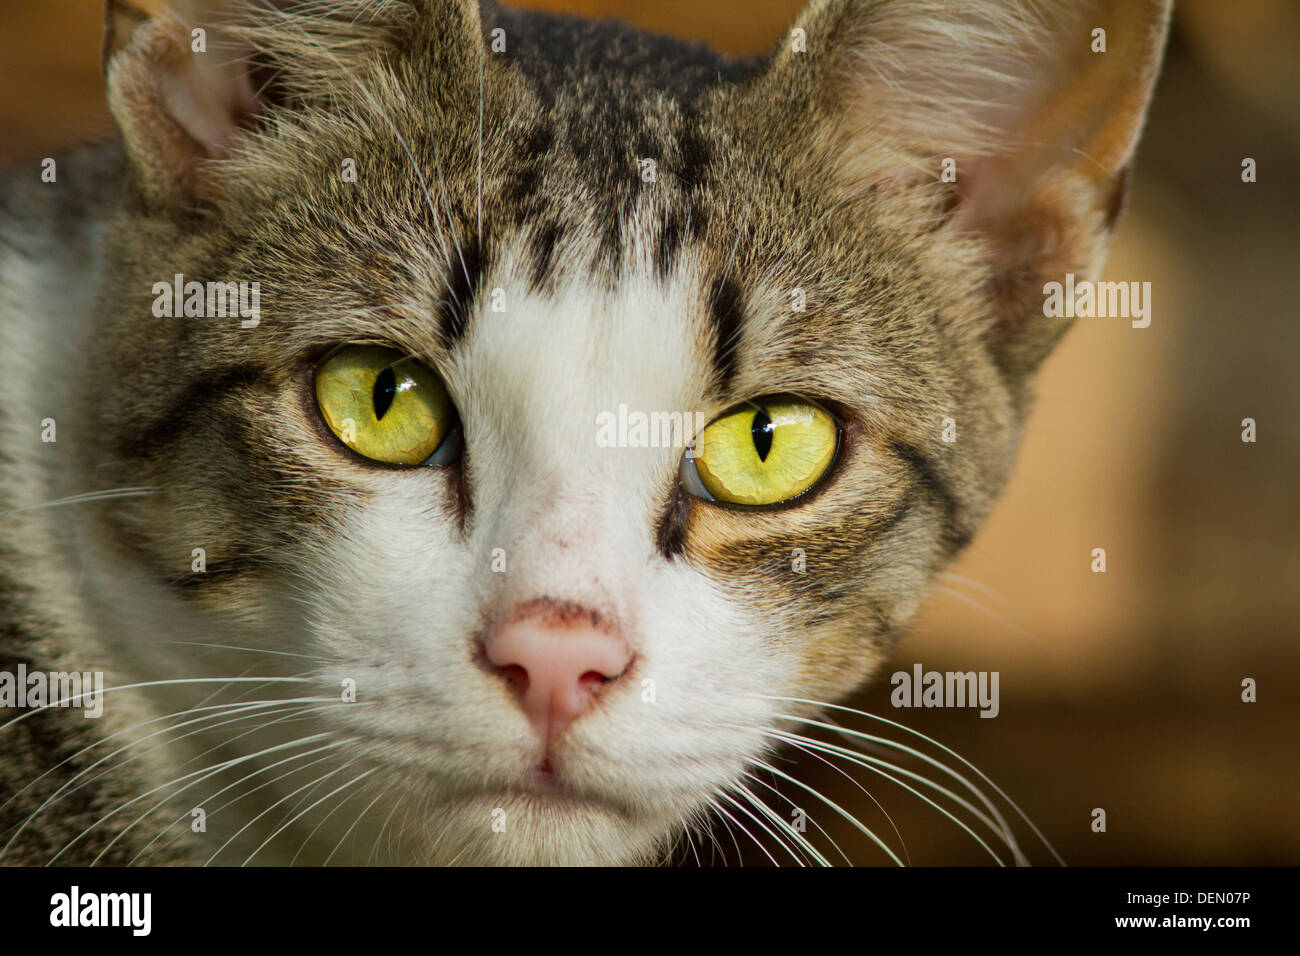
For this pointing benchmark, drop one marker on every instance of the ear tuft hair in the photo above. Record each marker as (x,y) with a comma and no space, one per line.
(1036,105)
(188,78)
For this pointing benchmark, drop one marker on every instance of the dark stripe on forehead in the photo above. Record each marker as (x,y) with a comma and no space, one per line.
(693,150)
(464,277)
(955,533)
(187,409)
(523,187)
(610,250)
(686,217)
(727,309)
(670,242)
(543,252)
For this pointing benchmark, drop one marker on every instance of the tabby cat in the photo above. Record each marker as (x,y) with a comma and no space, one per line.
(325,388)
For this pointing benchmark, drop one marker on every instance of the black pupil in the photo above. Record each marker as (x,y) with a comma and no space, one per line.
(385,392)
(761,429)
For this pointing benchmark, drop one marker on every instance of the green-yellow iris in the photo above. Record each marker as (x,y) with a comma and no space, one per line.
(766,452)
(384,405)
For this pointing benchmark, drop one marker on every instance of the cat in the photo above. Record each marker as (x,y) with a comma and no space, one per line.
(304,374)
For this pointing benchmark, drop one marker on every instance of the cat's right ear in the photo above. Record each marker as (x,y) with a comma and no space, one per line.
(180,89)
(191,82)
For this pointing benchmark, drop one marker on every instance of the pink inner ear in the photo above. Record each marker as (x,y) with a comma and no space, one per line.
(210,97)
(177,107)
(992,189)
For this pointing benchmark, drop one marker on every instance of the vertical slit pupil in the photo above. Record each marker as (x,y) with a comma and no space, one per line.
(761,429)
(385,392)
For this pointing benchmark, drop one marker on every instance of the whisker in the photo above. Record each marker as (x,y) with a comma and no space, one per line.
(383,114)
(284,826)
(298,713)
(1001,828)
(868,763)
(109,494)
(743,829)
(126,730)
(347,833)
(801,841)
(256,771)
(172,796)
(977,585)
(867,831)
(1002,619)
(796,857)
(867,793)
(726,820)
(820,829)
(153,683)
(286,797)
(252,650)
(996,789)
(690,842)
(67,788)
(861,759)
(379,837)
(112,813)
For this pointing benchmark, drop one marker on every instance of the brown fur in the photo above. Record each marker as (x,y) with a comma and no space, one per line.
(792,172)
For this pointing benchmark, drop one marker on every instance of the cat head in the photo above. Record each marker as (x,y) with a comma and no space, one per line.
(600,400)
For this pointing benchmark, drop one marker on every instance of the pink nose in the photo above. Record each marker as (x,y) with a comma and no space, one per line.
(557,659)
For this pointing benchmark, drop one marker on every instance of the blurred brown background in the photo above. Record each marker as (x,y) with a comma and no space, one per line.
(1119,690)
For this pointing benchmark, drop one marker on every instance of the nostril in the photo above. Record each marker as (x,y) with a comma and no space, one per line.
(593,681)
(516,677)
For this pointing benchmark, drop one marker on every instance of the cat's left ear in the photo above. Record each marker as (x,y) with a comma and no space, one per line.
(1009,121)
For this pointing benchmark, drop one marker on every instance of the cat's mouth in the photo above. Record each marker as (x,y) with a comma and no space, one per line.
(544,776)
(547,783)
(549,786)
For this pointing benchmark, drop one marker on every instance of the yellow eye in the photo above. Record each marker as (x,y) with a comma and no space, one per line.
(387,406)
(767,452)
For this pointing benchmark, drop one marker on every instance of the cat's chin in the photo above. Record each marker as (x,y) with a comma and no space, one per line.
(536,826)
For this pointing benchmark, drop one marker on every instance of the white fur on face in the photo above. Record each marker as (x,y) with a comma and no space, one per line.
(403,594)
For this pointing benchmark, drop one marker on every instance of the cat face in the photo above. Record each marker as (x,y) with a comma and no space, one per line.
(565,638)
